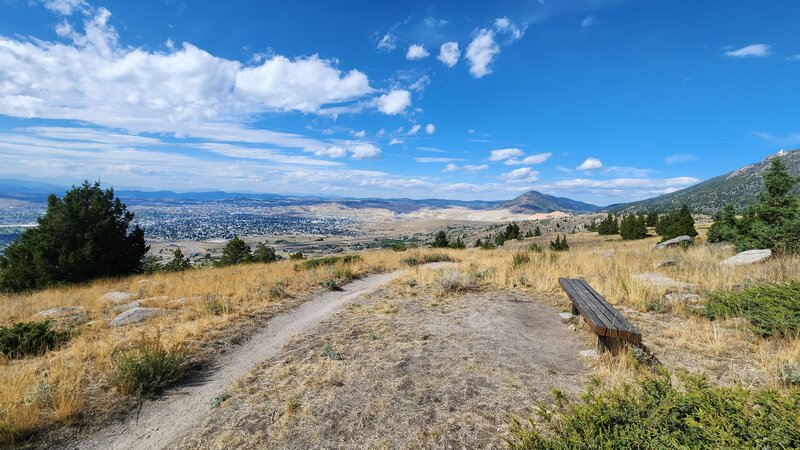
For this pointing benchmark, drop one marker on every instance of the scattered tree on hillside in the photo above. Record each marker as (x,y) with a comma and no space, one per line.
(264,253)
(236,251)
(179,262)
(676,223)
(529,234)
(592,226)
(458,243)
(537,231)
(85,235)
(511,232)
(633,227)
(608,226)
(652,219)
(773,222)
(150,265)
(559,245)
(440,240)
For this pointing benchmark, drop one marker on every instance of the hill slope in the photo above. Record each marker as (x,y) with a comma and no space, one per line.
(738,188)
(536,202)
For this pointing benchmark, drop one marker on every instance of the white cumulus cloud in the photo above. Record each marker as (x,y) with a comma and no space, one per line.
(505,153)
(590,164)
(430,128)
(395,102)
(521,175)
(449,53)
(480,53)
(416,51)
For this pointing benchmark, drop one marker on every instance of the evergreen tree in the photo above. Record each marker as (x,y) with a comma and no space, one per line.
(537,231)
(608,225)
(676,223)
(264,253)
(478,243)
(529,234)
(236,251)
(150,265)
(458,243)
(85,235)
(559,245)
(652,219)
(179,262)
(440,240)
(592,227)
(633,227)
(724,228)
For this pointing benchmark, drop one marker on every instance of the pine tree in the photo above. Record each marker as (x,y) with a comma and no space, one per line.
(676,223)
(724,227)
(179,262)
(633,227)
(85,235)
(236,251)
(608,226)
(440,240)
(529,234)
(652,218)
(537,231)
(559,245)
(458,243)
(264,253)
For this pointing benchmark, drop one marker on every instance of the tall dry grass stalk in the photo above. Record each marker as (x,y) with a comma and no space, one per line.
(38,391)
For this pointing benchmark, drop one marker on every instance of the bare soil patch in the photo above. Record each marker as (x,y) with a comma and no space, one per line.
(403,368)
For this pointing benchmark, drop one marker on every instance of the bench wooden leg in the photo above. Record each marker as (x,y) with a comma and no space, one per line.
(574,310)
(610,344)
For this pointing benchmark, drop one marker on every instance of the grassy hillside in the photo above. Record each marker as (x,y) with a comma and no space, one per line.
(739,188)
(536,202)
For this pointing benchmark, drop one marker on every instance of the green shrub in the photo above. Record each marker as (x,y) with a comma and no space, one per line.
(215,307)
(676,223)
(455,281)
(296,256)
(264,253)
(147,368)
(179,262)
(331,285)
(236,251)
(771,309)
(655,414)
(426,258)
(608,226)
(520,259)
(278,289)
(440,240)
(29,338)
(559,245)
(327,261)
(535,248)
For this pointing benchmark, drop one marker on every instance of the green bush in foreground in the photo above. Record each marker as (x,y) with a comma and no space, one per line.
(148,368)
(655,414)
(29,338)
(327,261)
(771,309)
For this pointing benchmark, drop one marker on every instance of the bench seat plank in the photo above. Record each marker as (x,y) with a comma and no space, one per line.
(598,313)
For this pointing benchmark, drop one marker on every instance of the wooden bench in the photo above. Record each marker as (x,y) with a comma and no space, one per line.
(612,329)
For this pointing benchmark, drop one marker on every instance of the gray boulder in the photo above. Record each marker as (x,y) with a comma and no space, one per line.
(660,281)
(135,315)
(680,240)
(748,257)
(118,296)
(60,311)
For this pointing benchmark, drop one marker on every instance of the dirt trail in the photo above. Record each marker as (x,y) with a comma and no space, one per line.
(161,421)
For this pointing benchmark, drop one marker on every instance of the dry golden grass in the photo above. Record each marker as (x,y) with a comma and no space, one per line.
(36,392)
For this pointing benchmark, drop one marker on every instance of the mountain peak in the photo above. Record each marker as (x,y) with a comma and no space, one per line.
(537,202)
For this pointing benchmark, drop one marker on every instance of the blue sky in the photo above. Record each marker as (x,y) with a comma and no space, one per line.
(597,100)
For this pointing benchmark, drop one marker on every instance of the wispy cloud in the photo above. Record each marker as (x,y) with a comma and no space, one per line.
(679,158)
(752,50)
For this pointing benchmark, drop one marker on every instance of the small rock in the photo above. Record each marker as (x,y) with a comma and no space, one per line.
(118,296)
(590,354)
(567,317)
(689,298)
(609,254)
(660,281)
(135,315)
(748,257)
(666,263)
(185,301)
(60,311)
(680,240)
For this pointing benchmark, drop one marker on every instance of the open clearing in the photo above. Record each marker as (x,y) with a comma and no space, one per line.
(403,368)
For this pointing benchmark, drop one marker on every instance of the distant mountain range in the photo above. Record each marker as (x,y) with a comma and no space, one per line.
(536,202)
(738,188)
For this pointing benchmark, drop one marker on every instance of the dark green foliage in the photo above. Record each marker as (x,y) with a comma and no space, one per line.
(297,255)
(771,309)
(529,234)
(537,231)
(676,223)
(29,338)
(148,368)
(264,253)
(399,247)
(559,245)
(179,262)
(652,219)
(440,240)
(426,258)
(608,226)
(535,248)
(773,222)
(485,243)
(520,259)
(327,261)
(655,414)
(150,265)
(236,251)
(592,226)
(458,243)
(724,228)
(633,227)
(81,237)
(511,232)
